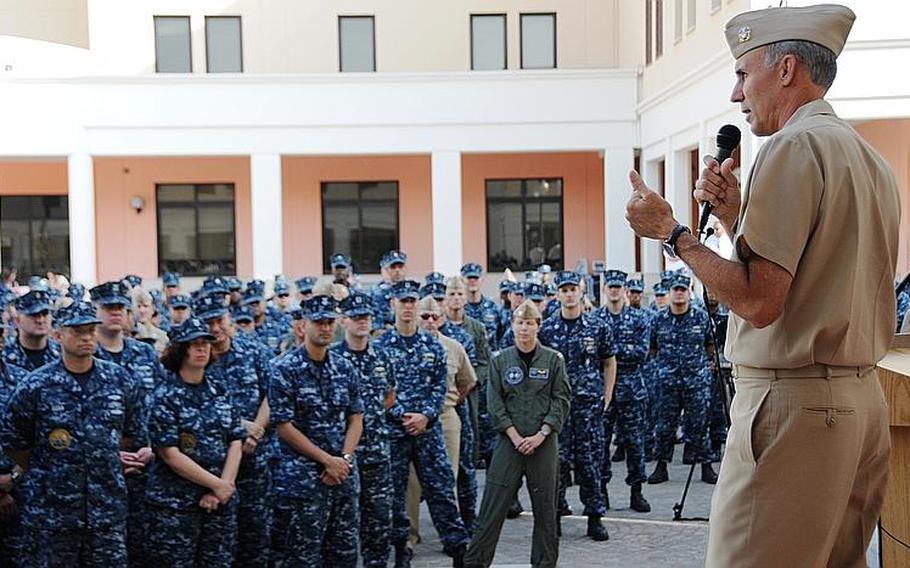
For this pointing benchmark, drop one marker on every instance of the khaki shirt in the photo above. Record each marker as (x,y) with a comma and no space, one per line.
(824,205)
(526,397)
(459,372)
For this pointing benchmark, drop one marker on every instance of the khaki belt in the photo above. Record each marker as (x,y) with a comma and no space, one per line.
(809,371)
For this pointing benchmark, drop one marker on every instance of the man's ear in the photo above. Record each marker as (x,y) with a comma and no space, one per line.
(787,67)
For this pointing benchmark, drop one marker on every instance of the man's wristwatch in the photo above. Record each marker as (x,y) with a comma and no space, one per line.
(670,244)
(545,430)
(348,458)
(15,475)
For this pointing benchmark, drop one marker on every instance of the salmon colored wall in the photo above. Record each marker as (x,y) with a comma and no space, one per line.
(34,178)
(127,242)
(302,205)
(892,139)
(582,202)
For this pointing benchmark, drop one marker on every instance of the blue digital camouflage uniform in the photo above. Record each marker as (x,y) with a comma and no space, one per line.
(141,362)
(466,481)
(650,370)
(489,314)
(15,354)
(585,343)
(374,453)
(31,304)
(10,377)
(717,420)
(551,309)
(271,329)
(243,373)
(420,373)
(200,421)
(903,305)
(74,497)
(382,307)
(684,381)
(631,335)
(317,399)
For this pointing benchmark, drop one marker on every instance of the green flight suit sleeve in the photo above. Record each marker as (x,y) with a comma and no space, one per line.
(560,395)
(496,406)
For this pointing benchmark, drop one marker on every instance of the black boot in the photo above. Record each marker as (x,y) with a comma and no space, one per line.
(707,473)
(620,454)
(606,497)
(403,554)
(660,474)
(596,529)
(515,510)
(688,454)
(637,502)
(564,510)
(458,556)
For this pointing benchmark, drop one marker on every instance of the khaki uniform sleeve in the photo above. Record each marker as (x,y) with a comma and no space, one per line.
(464,374)
(785,191)
(496,406)
(560,395)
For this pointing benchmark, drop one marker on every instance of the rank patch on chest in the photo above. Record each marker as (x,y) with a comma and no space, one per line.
(536,374)
(514,376)
(429,357)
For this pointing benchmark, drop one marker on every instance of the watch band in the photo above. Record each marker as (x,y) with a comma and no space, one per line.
(348,458)
(670,243)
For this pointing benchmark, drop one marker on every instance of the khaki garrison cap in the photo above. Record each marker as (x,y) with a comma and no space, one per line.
(825,24)
(527,310)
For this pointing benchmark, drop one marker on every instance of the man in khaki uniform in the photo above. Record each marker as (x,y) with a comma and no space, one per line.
(803,478)
(528,398)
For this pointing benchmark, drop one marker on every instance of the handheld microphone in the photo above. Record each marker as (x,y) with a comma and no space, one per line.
(728,138)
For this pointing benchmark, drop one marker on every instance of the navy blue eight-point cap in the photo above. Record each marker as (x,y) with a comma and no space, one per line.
(210,307)
(190,330)
(357,304)
(393,257)
(567,277)
(77,313)
(35,302)
(113,293)
(406,289)
(615,278)
(319,308)
(472,270)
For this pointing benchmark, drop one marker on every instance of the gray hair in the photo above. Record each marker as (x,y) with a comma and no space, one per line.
(820,60)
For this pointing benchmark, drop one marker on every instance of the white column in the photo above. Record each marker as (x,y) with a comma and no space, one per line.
(620,240)
(446,180)
(265,190)
(81,199)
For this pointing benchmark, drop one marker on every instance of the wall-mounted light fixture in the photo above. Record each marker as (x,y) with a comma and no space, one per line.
(137,203)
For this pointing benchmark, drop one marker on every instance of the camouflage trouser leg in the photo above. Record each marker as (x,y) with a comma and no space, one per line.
(67,548)
(717,424)
(375,513)
(696,404)
(467,475)
(324,528)
(428,454)
(629,417)
(670,405)
(9,542)
(179,539)
(254,511)
(589,451)
(136,519)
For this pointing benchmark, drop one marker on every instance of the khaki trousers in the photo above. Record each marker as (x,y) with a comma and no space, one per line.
(803,478)
(451,430)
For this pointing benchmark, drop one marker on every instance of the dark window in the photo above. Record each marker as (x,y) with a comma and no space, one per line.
(223,44)
(524,224)
(359,219)
(172,44)
(538,41)
(196,229)
(35,233)
(659,29)
(356,43)
(649,31)
(488,42)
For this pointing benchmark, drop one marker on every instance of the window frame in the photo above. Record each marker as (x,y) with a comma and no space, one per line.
(240,39)
(658,29)
(326,254)
(505,38)
(523,202)
(189,35)
(521,35)
(195,207)
(371,17)
(32,219)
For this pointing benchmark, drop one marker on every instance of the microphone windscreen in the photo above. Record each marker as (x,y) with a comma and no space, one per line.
(728,137)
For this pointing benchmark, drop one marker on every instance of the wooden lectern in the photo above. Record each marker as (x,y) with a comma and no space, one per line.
(894,374)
